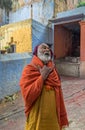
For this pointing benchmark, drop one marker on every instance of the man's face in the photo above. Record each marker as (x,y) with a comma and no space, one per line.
(44,52)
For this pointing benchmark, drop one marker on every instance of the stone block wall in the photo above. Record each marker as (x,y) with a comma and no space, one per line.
(68,69)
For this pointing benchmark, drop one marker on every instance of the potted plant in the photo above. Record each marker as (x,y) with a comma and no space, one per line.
(7,49)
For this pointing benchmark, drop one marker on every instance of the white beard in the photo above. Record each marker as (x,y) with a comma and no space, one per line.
(43,57)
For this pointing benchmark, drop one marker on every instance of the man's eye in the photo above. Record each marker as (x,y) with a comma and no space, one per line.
(44,47)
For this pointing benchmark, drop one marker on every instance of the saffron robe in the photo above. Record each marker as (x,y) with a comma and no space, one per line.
(43,114)
(31,84)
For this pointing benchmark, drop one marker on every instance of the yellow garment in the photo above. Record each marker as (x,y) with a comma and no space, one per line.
(43,115)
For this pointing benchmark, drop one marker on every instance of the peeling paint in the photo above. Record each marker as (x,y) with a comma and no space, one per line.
(21,33)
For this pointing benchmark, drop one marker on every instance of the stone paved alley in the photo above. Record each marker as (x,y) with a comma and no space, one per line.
(12,111)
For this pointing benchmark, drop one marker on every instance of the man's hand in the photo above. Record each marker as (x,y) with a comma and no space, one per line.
(45,71)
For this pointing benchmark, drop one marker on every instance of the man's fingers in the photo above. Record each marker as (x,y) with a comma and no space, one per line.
(39,67)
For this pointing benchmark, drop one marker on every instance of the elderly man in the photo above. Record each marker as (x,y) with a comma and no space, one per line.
(41,89)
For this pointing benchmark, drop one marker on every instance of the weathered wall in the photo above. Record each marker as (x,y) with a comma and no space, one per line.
(68,68)
(2,16)
(82,49)
(73,3)
(41,11)
(62,5)
(77,11)
(82,41)
(82,69)
(11,66)
(59,6)
(21,14)
(26,34)
(21,33)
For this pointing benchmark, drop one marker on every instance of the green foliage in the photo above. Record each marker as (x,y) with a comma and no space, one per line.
(81,4)
(6,47)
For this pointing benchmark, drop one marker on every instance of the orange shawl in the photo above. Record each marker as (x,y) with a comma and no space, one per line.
(31,84)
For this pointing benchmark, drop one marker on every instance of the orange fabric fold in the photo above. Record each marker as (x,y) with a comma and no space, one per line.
(31,84)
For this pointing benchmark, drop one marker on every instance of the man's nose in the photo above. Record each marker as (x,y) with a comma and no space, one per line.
(47,49)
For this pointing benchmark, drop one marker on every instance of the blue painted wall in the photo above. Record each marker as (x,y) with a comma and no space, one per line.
(22,14)
(41,12)
(76,11)
(40,33)
(11,66)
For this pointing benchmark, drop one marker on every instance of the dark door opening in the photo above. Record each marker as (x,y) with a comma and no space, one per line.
(75,47)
